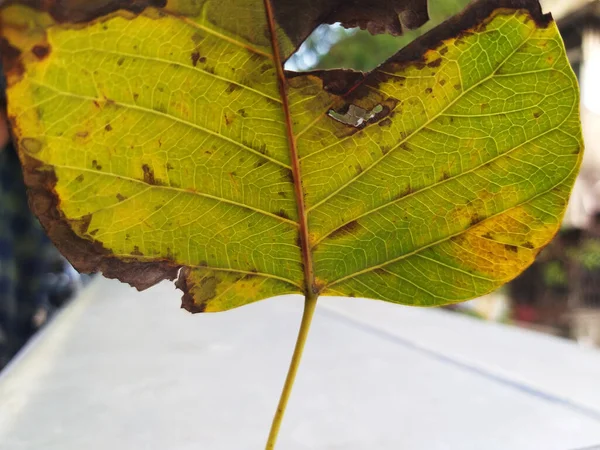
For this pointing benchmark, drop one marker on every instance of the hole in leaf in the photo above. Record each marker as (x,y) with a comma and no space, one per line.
(355,115)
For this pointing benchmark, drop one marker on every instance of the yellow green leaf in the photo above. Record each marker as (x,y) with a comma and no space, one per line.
(170,140)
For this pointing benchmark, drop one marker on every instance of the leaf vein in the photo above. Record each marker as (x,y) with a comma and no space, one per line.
(446,238)
(168,116)
(417,130)
(180,190)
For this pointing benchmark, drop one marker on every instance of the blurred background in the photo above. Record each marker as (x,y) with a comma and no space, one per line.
(559,294)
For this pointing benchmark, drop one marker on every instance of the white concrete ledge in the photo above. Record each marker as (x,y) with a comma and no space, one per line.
(123,370)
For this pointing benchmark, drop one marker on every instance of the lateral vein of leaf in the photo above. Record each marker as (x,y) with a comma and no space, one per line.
(341,294)
(504,243)
(168,116)
(179,190)
(416,131)
(224,37)
(311,124)
(415,285)
(447,238)
(192,68)
(218,269)
(527,72)
(439,183)
(378,294)
(457,268)
(501,113)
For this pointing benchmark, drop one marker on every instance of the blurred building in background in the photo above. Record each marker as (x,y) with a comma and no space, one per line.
(561,290)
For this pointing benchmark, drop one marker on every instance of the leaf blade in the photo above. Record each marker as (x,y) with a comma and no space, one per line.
(433,179)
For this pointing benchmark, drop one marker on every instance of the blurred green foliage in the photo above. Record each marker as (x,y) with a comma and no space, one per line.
(334,47)
(554,274)
(588,255)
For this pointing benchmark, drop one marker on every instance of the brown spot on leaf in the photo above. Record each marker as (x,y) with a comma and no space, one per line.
(84,223)
(348,229)
(148,174)
(120,61)
(232,88)
(136,251)
(475,219)
(528,245)
(283,214)
(121,197)
(511,248)
(95,165)
(337,82)
(435,63)
(79,178)
(108,127)
(428,90)
(40,51)
(195,56)
(385,122)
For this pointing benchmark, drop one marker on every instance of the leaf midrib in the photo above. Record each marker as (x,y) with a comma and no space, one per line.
(306,254)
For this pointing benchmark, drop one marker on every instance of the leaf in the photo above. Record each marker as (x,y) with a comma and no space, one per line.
(157,141)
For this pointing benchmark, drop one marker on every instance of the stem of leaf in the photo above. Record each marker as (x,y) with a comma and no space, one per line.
(310,304)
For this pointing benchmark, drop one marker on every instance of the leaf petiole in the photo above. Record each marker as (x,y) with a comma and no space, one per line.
(310,304)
